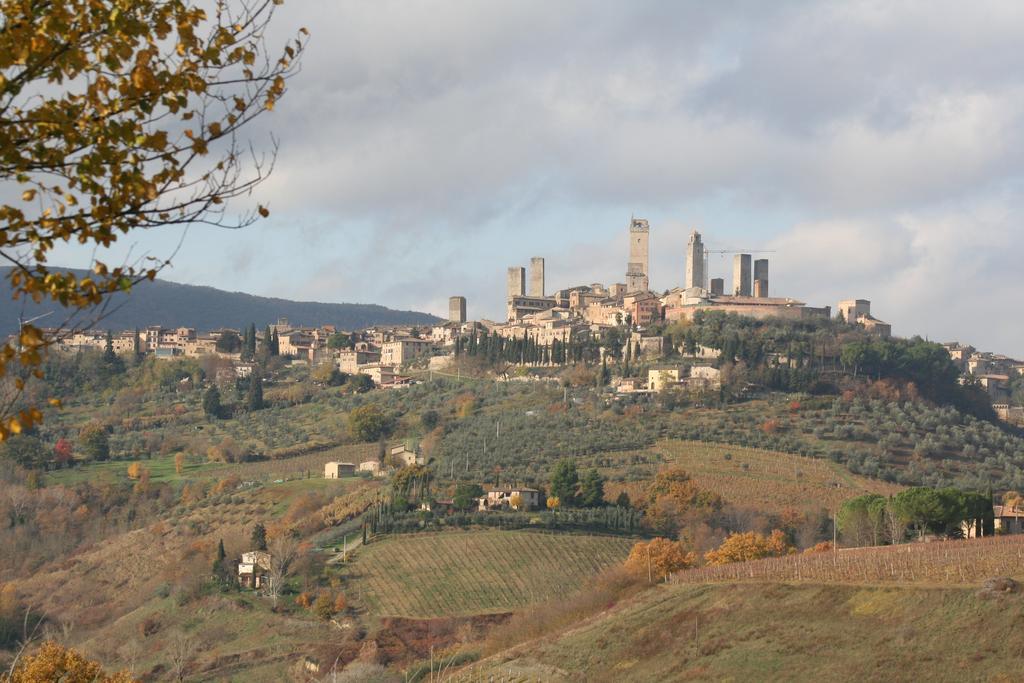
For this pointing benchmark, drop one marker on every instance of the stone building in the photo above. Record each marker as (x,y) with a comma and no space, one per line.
(761,276)
(694,262)
(402,351)
(457,309)
(337,470)
(851,309)
(349,360)
(638,268)
(741,285)
(536,277)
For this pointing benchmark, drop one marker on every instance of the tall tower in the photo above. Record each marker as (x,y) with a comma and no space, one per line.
(516,281)
(457,309)
(536,276)
(694,262)
(741,274)
(637,270)
(761,275)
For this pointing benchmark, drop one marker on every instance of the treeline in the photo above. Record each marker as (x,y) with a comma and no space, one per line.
(872,519)
(924,364)
(812,355)
(527,351)
(611,519)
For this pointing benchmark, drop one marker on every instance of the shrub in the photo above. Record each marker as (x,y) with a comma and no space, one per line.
(743,547)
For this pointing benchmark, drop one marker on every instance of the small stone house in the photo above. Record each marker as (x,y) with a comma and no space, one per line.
(254,569)
(337,470)
(407,456)
(371,466)
(498,499)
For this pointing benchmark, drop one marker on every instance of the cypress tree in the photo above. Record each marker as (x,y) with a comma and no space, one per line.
(268,340)
(259,536)
(254,398)
(220,570)
(211,402)
(249,348)
(137,346)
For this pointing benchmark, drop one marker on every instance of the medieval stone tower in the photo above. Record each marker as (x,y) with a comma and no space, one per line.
(694,262)
(536,277)
(637,271)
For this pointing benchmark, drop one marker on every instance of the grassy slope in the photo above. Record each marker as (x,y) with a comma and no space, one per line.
(782,633)
(455,573)
(768,480)
(108,590)
(161,468)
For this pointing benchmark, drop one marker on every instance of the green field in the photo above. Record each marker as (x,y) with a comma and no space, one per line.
(162,468)
(448,574)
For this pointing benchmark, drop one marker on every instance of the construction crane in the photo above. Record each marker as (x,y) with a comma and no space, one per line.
(729,251)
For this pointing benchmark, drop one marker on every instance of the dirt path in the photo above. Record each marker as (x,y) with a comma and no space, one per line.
(353,543)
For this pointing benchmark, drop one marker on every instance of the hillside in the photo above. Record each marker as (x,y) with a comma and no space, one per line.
(844,616)
(430,575)
(777,632)
(171,304)
(771,481)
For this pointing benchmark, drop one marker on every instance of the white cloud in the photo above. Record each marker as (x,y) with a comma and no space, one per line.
(427,145)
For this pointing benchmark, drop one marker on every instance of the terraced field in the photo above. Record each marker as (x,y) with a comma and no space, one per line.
(767,480)
(162,468)
(462,573)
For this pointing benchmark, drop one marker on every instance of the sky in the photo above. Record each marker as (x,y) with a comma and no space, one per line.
(874,149)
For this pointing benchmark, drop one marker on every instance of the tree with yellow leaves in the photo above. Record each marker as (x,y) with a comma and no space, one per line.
(658,558)
(118,116)
(672,497)
(53,662)
(743,547)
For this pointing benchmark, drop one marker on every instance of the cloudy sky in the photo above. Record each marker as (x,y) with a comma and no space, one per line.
(875,147)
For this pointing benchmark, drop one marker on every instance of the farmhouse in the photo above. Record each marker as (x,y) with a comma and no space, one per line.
(254,569)
(405,455)
(371,466)
(337,470)
(1008,519)
(497,499)
(441,505)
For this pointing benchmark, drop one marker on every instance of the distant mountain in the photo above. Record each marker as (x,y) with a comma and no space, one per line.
(205,308)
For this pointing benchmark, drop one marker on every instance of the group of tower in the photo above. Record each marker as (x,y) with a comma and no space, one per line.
(744,281)
(749,276)
(525,291)
(517,282)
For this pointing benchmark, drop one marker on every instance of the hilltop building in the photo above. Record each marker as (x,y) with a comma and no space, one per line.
(858,312)
(761,278)
(741,275)
(515,282)
(695,275)
(536,277)
(457,309)
(638,268)
(520,303)
(683,303)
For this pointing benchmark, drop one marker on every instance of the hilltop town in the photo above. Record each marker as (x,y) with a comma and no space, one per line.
(547,331)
